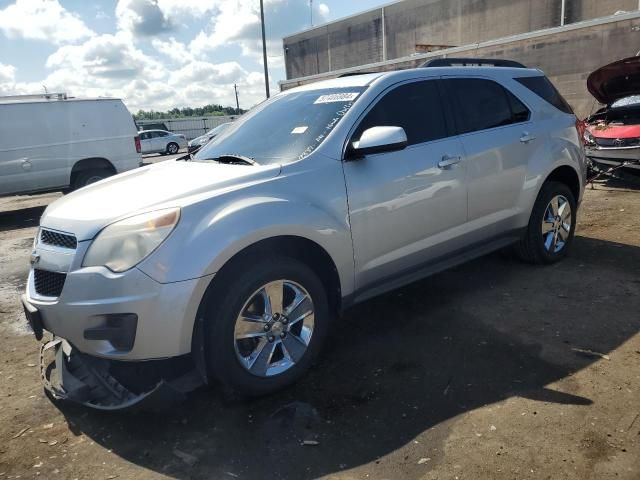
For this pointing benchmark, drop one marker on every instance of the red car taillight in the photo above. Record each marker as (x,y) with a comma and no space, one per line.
(138,147)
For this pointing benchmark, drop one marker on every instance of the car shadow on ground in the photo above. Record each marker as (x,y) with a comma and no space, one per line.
(395,367)
(22,218)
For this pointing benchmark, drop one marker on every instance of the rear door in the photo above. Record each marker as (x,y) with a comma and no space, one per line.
(405,205)
(499,140)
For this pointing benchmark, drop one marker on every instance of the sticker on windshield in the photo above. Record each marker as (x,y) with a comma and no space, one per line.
(337,97)
(299,130)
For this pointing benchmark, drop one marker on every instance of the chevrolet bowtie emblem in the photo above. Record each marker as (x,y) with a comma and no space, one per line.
(35,258)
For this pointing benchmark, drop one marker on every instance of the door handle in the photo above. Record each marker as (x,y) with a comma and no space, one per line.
(449,160)
(526,138)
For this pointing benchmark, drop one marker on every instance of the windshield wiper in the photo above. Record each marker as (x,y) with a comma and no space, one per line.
(233,159)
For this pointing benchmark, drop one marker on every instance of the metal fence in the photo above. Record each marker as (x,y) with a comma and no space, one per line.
(191,127)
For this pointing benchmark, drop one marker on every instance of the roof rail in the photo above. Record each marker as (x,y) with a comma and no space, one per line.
(353,74)
(36,96)
(472,62)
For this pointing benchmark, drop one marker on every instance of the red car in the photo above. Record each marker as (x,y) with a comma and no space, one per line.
(612,134)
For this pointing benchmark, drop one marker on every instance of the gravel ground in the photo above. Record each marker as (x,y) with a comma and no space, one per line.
(494,369)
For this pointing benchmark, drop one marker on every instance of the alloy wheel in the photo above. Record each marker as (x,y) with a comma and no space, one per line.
(274,328)
(556,224)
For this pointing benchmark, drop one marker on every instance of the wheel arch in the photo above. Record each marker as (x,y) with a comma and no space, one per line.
(567,175)
(90,164)
(308,251)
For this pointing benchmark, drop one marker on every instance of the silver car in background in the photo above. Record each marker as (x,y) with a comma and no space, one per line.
(161,141)
(202,140)
(237,260)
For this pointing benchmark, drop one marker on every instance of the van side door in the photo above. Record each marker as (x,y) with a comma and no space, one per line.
(405,205)
(499,141)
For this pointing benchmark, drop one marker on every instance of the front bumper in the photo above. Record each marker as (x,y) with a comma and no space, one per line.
(615,156)
(69,375)
(91,297)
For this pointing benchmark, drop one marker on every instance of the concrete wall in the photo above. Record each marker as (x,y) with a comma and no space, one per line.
(567,55)
(359,40)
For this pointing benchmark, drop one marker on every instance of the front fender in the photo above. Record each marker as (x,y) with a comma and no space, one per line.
(204,243)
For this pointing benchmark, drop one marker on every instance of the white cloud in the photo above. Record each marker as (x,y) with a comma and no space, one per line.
(238,22)
(7,73)
(186,8)
(172,49)
(149,69)
(42,20)
(105,57)
(142,17)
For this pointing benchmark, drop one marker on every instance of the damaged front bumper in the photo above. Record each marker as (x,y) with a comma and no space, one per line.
(629,157)
(70,375)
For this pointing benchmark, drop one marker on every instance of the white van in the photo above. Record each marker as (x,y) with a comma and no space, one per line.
(52,142)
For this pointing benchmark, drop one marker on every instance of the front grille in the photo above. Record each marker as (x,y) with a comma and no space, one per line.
(50,237)
(48,284)
(618,142)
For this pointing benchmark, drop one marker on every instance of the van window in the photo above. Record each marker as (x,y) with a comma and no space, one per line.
(416,107)
(481,104)
(543,87)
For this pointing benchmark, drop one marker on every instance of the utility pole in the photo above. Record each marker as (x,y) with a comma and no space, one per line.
(311,11)
(235,87)
(264,51)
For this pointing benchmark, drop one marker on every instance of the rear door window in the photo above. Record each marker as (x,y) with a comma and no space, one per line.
(415,106)
(543,87)
(481,104)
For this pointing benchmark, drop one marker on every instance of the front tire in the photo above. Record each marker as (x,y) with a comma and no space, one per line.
(172,148)
(266,325)
(551,227)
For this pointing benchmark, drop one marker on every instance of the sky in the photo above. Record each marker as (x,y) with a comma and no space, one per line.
(154,54)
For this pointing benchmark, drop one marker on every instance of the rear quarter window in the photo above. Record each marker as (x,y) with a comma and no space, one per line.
(543,87)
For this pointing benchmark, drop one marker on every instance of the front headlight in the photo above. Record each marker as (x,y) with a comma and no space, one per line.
(588,138)
(122,245)
(202,141)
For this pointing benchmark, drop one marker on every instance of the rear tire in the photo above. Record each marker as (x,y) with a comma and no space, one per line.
(260,356)
(87,177)
(551,227)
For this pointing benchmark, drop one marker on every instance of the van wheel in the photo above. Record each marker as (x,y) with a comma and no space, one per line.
(172,148)
(87,177)
(551,226)
(266,326)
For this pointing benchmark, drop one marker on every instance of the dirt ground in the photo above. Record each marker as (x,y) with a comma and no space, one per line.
(483,371)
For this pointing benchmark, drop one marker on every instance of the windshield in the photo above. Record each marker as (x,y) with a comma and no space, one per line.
(217,130)
(627,101)
(286,128)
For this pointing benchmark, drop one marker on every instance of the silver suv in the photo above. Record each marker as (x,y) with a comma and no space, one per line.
(238,258)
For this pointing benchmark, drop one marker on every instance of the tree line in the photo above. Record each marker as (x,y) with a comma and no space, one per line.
(206,111)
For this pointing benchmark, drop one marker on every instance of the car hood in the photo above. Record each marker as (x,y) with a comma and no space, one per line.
(615,81)
(603,130)
(168,184)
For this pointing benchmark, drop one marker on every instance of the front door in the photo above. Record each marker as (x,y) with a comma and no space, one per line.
(146,142)
(405,205)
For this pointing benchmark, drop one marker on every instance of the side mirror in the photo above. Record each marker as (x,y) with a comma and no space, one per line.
(378,140)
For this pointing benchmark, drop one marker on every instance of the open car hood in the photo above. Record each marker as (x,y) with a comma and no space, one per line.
(616,80)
